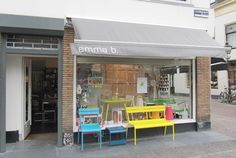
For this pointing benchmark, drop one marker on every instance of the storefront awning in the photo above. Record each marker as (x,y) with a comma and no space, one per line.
(110,38)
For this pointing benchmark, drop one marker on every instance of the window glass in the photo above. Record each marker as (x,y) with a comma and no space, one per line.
(134,85)
(231,35)
(214,80)
(231,38)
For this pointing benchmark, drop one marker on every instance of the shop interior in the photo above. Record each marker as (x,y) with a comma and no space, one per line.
(112,87)
(43,97)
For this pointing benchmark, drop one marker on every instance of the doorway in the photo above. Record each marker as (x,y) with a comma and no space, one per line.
(40,120)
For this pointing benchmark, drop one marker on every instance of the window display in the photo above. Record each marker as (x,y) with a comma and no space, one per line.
(113,87)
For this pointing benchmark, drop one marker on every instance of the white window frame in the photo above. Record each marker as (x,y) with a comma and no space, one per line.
(228,32)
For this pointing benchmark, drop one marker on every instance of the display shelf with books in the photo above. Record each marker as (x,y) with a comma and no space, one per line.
(164,83)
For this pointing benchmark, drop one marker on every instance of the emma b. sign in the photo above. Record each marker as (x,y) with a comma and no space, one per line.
(94,50)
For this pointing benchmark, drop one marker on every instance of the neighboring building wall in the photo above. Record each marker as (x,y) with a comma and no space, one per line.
(225,13)
(68,68)
(203,92)
(220,22)
(222,82)
(225,7)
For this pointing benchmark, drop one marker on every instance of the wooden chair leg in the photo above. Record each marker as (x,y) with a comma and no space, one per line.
(127,131)
(134,136)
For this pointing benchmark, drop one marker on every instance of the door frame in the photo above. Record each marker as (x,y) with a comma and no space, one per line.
(24,58)
(26,53)
(26,127)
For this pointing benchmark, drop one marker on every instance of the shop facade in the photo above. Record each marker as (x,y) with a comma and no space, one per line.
(110,69)
(89,75)
(114,60)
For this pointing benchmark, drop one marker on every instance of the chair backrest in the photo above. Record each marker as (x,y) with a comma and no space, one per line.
(158,109)
(89,113)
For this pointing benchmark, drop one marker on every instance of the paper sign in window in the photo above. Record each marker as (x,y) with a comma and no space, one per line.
(141,85)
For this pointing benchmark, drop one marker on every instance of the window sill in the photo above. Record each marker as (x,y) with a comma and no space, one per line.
(181,121)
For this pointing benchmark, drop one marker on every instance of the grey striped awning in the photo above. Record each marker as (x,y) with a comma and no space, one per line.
(121,39)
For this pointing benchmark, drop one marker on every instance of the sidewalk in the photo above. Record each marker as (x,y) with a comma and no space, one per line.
(216,143)
(189,144)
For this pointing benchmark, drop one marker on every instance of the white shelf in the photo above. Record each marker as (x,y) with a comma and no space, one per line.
(164,83)
(114,125)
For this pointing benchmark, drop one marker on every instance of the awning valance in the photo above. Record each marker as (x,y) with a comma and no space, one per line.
(110,38)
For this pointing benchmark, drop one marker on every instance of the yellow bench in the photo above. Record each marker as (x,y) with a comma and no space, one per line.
(146,121)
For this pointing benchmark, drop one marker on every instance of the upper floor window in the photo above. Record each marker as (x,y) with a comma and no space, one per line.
(19,41)
(231,35)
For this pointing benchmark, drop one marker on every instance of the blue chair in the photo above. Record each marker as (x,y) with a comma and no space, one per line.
(88,128)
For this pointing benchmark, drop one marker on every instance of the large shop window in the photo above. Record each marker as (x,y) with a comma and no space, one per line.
(111,87)
(231,35)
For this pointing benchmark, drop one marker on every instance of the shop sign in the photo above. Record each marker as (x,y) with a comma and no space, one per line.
(86,50)
(201,13)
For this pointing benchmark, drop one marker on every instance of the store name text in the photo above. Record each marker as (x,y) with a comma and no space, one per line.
(98,50)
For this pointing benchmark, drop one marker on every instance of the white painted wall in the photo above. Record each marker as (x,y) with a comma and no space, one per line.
(222,82)
(14,93)
(180,83)
(201,3)
(118,10)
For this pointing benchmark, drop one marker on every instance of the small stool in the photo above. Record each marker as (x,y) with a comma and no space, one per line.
(121,131)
